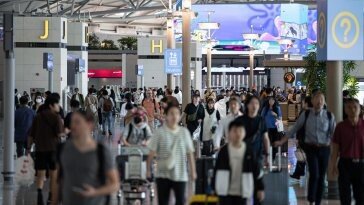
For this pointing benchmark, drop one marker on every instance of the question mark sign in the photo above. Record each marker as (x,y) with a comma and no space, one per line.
(346,24)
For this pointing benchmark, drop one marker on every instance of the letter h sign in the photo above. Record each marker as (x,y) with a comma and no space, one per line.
(160,46)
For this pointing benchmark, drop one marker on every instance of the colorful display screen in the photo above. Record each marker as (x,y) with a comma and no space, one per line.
(272,22)
(105,73)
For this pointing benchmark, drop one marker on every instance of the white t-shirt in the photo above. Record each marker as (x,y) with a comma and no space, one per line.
(223,128)
(162,142)
(236,157)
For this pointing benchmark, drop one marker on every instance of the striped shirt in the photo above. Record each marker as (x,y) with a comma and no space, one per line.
(162,142)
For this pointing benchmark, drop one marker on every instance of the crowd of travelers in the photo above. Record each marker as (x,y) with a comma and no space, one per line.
(235,127)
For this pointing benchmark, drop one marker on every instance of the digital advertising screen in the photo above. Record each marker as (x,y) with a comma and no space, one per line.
(48,61)
(273,23)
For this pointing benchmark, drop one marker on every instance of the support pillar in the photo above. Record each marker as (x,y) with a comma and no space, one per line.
(208,73)
(251,71)
(170,45)
(334,105)
(186,58)
(50,81)
(9,107)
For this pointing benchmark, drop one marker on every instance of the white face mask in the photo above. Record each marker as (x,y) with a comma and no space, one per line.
(38,100)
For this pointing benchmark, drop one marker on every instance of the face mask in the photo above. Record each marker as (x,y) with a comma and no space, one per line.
(38,100)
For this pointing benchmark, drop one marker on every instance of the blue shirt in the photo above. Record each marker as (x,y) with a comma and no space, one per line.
(270,119)
(319,128)
(23,121)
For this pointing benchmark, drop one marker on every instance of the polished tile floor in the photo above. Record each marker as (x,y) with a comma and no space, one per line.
(277,184)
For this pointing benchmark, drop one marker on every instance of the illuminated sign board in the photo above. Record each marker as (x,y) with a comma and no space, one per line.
(105,73)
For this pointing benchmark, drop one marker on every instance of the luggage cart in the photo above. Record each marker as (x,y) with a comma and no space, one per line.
(135,188)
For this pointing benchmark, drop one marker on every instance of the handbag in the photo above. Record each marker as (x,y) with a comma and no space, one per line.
(24,174)
(196,133)
(193,116)
(300,155)
(91,106)
(280,126)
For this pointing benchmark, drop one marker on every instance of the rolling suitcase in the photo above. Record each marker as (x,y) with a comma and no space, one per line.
(205,170)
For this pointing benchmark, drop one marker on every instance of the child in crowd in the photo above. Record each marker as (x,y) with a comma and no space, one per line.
(137,132)
(237,173)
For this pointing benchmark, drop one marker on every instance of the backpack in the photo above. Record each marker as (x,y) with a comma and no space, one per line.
(301,133)
(101,169)
(131,130)
(107,106)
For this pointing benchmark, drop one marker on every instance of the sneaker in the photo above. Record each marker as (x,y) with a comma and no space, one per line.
(110,133)
(103,133)
(40,198)
(295,176)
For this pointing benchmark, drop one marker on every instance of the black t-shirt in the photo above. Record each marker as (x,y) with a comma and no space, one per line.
(200,115)
(191,109)
(67,120)
(253,126)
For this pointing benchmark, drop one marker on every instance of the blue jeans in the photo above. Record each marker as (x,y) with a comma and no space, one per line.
(106,120)
(317,160)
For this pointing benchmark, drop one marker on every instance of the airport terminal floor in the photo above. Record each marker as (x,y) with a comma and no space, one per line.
(276,183)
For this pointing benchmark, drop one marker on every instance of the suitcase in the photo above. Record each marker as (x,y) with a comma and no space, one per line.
(204,200)
(205,169)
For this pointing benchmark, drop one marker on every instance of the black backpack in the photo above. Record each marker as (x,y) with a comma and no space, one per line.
(301,133)
(131,130)
(101,171)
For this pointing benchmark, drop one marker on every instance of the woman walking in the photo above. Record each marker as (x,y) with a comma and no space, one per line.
(172,144)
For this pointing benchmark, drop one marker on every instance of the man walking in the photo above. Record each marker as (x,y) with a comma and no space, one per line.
(106,105)
(79,97)
(46,133)
(319,125)
(23,121)
(348,146)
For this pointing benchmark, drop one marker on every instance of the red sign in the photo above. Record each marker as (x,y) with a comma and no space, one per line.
(104,73)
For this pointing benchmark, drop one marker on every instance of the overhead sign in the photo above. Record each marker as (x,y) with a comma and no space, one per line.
(104,73)
(340,30)
(289,77)
(173,61)
(139,70)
